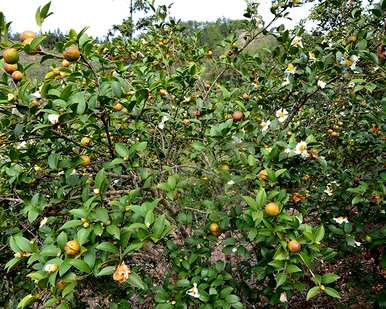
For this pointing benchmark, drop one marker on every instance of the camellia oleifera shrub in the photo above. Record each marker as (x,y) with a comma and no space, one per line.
(153,172)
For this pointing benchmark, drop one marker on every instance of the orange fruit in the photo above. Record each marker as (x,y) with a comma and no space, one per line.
(117,107)
(163,92)
(186,122)
(294,246)
(66,63)
(60,284)
(10,68)
(85,160)
(121,273)
(237,116)
(272,209)
(11,55)
(17,76)
(72,247)
(263,175)
(71,54)
(214,229)
(27,35)
(85,141)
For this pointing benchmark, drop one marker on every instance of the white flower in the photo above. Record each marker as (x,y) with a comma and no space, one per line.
(321,84)
(36,95)
(354,59)
(193,291)
(22,145)
(234,250)
(351,84)
(43,222)
(301,148)
(237,140)
(297,42)
(265,125)
(328,191)
(230,183)
(283,297)
(291,69)
(286,82)
(311,56)
(161,125)
(51,268)
(341,220)
(96,191)
(357,243)
(281,115)
(53,118)
(73,172)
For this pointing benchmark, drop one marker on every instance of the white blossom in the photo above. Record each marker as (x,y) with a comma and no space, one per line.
(301,148)
(36,95)
(193,291)
(281,115)
(283,297)
(265,125)
(51,268)
(321,84)
(161,125)
(297,42)
(341,220)
(53,118)
(291,69)
(43,222)
(230,183)
(357,243)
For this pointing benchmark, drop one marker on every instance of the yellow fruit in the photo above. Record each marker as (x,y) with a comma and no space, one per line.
(85,141)
(27,35)
(214,229)
(72,247)
(71,54)
(122,273)
(10,68)
(225,168)
(272,209)
(186,122)
(85,160)
(11,55)
(60,284)
(117,107)
(263,175)
(237,116)
(163,92)
(294,246)
(17,76)
(66,63)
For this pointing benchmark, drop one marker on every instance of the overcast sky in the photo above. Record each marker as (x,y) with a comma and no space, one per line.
(100,15)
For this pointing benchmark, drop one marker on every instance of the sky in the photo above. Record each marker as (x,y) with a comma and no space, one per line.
(100,15)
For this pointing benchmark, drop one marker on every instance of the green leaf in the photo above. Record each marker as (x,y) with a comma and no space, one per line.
(332,292)
(83,235)
(250,201)
(329,278)
(23,243)
(231,299)
(70,224)
(114,231)
(101,214)
(291,268)
(26,301)
(101,179)
(281,278)
(50,251)
(261,198)
(80,265)
(121,150)
(136,281)
(320,234)
(109,270)
(108,247)
(183,283)
(313,292)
